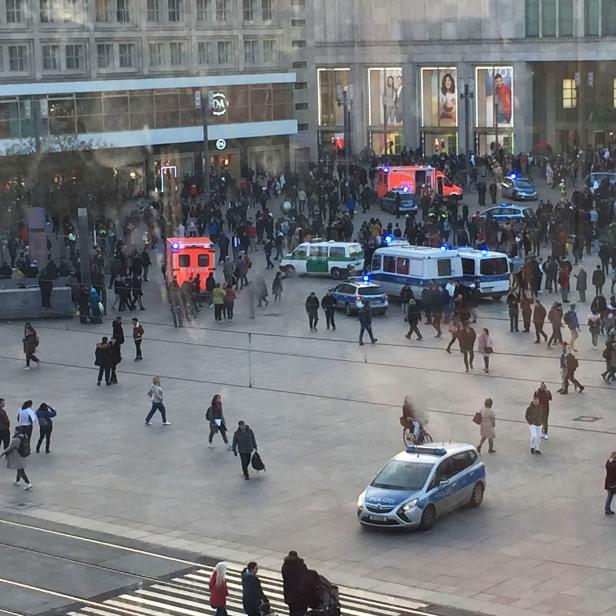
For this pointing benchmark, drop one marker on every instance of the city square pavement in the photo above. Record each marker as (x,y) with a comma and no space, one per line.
(325,415)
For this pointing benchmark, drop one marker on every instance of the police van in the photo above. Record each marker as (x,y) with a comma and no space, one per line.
(400,263)
(421,484)
(322,258)
(491,268)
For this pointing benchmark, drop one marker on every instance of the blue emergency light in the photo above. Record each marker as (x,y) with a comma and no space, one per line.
(366,278)
(406,189)
(513,176)
(386,169)
(389,239)
(435,451)
(484,252)
(444,247)
(175,246)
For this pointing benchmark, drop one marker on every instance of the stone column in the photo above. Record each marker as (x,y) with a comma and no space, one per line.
(466,76)
(412,105)
(523,106)
(359,108)
(552,92)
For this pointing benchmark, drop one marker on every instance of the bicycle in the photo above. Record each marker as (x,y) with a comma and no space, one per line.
(408,435)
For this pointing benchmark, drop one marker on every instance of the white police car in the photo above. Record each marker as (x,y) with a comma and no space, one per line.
(353,293)
(507,212)
(518,187)
(421,484)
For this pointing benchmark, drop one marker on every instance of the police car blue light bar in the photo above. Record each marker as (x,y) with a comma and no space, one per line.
(435,451)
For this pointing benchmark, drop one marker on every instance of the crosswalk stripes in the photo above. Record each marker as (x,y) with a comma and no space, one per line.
(187,594)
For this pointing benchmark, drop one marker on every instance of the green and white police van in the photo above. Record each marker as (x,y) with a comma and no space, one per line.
(319,258)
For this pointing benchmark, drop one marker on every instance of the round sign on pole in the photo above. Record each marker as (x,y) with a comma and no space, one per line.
(221,144)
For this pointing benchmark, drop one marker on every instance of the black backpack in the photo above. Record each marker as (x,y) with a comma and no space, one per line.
(24,446)
(257,463)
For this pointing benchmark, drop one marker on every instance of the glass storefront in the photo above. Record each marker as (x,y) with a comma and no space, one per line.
(494,96)
(330,113)
(439,110)
(385,109)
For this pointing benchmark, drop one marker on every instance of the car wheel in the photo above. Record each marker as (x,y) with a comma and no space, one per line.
(428,518)
(477,495)
(289,270)
(336,273)
(347,309)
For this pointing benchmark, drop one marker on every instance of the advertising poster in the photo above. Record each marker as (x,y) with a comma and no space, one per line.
(494,96)
(386,96)
(330,114)
(439,100)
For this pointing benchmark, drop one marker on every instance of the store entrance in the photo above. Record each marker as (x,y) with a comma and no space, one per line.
(439,143)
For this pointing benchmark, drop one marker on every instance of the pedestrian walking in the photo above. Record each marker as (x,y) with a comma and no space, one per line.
(571,365)
(138,332)
(598,280)
(295,583)
(594,327)
(487,426)
(485,346)
(277,287)
(45,415)
(218,589)
(244,443)
(117,330)
(514,310)
(216,419)
(365,323)
(609,354)
(539,315)
(571,321)
(16,455)
(413,316)
(454,328)
(115,357)
(581,283)
(261,292)
(5,426)
(544,395)
(218,299)
(526,306)
(253,597)
(406,293)
(31,342)
(328,303)
(229,305)
(26,418)
(312,309)
(156,395)
(267,249)
(563,281)
(555,317)
(534,418)
(466,340)
(610,482)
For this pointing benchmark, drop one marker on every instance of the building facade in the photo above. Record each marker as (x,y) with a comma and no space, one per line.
(459,75)
(128,77)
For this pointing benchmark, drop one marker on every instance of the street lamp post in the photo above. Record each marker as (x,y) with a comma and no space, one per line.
(496,124)
(385,123)
(467,96)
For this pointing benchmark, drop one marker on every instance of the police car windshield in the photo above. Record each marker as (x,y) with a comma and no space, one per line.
(494,267)
(355,252)
(399,475)
(524,183)
(369,291)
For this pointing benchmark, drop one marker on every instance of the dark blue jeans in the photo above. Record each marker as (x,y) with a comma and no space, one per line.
(157,406)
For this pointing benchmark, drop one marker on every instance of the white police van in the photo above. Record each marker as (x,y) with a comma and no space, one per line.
(322,258)
(421,484)
(491,268)
(400,263)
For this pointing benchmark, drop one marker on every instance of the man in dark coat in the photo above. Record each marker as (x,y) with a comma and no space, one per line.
(253,596)
(610,482)
(328,303)
(539,315)
(244,443)
(365,323)
(413,317)
(294,574)
(466,340)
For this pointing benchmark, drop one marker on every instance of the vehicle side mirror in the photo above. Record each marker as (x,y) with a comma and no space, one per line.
(443,482)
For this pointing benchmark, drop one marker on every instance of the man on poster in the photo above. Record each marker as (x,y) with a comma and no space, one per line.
(502,94)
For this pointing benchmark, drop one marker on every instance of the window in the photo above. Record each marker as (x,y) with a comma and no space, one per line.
(548,17)
(614,93)
(270,51)
(204,10)
(298,23)
(402,265)
(389,264)
(14,11)
(18,60)
(376,263)
(153,10)
(102,11)
(494,267)
(318,251)
(203,260)
(222,8)
(178,54)
(70,11)
(184,260)
(608,17)
(51,57)
(205,53)
(127,55)
(592,17)
(468,267)
(300,64)
(301,106)
(266,10)
(443,267)
(569,94)
(122,12)
(298,44)
(565,18)
(104,55)
(250,52)
(300,252)
(400,475)
(175,10)
(46,10)
(336,251)
(157,54)
(73,54)
(224,52)
(249,10)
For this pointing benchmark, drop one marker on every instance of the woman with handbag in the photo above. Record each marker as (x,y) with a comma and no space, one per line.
(487,422)
(31,342)
(485,346)
(216,419)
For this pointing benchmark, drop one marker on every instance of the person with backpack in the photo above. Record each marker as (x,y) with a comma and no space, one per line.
(218,589)
(45,415)
(16,454)
(156,395)
(216,419)
(244,443)
(294,581)
(572,322)
(26,418)
(253,597)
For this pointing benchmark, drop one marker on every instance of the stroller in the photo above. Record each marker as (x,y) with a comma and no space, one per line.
(325,599)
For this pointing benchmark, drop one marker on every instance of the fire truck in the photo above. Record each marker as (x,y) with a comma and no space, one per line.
(411,178)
